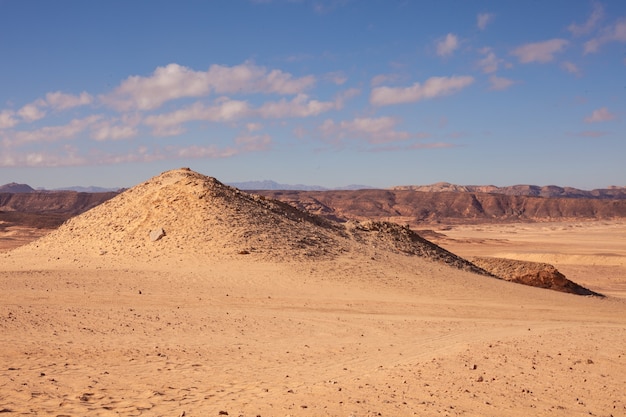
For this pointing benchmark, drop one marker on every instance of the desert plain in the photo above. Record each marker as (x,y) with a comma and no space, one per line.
(246,308)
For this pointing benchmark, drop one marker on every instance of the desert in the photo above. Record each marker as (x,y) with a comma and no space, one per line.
(243,305)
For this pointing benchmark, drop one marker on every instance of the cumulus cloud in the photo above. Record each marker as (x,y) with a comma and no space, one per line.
(36,110)
(176,81)
(345,95)
(447,45)
(51,133)
(539,51)
(571,68)
(490,62)
(67,157)
(31,112)
(115,129)
(253,143)
(583,29)
(483,19)
(227,110)
(432,87)
(614,33)
(375,130)
(243,144)
(384,78)
(600,115)
(338,77)
(299,106)
(208,151)
(7,119)
(500,83)
(170,124)
(61,101)
(253,127)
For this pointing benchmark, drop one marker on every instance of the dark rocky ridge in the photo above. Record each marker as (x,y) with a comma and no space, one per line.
(419,207)
(551,191)
(46,210)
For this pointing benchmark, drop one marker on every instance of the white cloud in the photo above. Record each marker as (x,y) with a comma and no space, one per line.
(375,130)
(345,95)
(108,130)
(615,33)
(7,119)
(243,144)
(227,110)
(447,45)
(254,127)
(253,143)
(539,51)
(338,77)
(31,112)
(175,81)
(432,87)
(68,157)
(571,68)
(299,106)
(490,62)
(170,124)
(483,19)
(37,109)
(500,83)
(61,101)
(52,133)
(600,115)
(209,151)
(384,78)
(596,15)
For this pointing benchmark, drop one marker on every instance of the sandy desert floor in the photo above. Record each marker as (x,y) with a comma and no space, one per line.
(591,253)
(377,334)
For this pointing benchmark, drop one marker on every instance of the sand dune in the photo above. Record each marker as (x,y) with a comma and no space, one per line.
(247,307)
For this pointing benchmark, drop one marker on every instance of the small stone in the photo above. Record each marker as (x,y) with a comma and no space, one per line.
(157,234)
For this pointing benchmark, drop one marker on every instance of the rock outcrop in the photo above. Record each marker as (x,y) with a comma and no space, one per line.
(535,274)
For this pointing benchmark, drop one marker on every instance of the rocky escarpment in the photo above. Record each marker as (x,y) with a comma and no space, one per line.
(535,274)
(551,191)
(419,207)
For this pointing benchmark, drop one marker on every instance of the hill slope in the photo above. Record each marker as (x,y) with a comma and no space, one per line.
(182,213)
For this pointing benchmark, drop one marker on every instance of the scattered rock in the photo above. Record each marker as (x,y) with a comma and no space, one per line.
(157,234)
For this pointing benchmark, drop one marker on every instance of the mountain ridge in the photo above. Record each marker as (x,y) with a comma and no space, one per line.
(548,191)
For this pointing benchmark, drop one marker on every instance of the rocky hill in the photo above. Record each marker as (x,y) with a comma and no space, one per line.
(535,274)
(184,213)
(14,187)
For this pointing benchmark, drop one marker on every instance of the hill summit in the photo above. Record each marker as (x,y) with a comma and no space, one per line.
(184,214)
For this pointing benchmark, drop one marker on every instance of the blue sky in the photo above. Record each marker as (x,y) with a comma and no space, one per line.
(318,92)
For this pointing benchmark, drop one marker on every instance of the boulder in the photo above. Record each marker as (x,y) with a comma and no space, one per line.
(157,234)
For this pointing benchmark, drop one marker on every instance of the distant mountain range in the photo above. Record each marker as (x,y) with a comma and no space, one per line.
(16,188)
(247,185)
(549,191)
(272,185)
